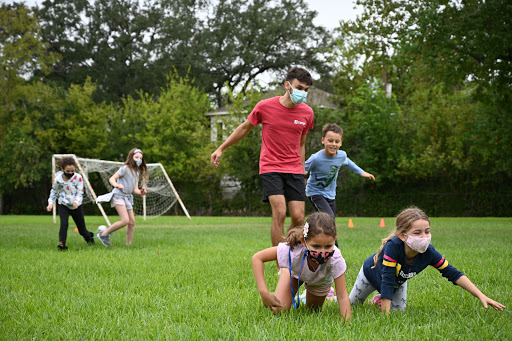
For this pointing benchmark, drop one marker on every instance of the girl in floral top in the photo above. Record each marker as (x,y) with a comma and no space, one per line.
(68,191)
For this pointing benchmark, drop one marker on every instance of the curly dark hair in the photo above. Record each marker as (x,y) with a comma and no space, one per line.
(66,161)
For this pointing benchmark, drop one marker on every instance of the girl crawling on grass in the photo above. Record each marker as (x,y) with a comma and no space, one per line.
(308,256)
(403,255)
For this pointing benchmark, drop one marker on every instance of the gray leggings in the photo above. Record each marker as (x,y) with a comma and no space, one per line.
(362,289)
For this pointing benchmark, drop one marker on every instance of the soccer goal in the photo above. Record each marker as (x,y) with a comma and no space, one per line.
(161,194)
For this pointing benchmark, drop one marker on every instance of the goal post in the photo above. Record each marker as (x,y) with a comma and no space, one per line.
(174,190)
(161,194)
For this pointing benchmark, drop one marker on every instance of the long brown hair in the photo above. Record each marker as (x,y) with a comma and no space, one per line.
(404,220)
(142,169)
(319,222)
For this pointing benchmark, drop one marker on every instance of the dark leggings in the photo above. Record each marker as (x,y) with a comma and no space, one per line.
(78,216)
(322,204)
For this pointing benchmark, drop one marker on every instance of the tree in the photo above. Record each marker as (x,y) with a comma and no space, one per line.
(450,41)
(451,67)
(129,46)
(246,39)
(21,50)
(109,41)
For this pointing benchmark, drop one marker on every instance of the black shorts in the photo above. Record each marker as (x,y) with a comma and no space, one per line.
(290,185)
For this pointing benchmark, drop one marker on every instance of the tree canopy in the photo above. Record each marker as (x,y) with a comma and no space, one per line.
(130,45)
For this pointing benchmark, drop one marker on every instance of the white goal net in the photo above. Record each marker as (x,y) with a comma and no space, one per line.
(161,194)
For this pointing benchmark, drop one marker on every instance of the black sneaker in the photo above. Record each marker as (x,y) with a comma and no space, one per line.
(90,241)
(62,247)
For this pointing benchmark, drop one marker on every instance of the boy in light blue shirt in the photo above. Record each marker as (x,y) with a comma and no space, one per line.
(323,167)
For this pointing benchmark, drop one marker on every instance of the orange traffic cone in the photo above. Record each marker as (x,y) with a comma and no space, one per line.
(76,229)
(350,224)
(382,224)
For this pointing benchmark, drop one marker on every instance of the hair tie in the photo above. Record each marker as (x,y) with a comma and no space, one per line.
(306,230)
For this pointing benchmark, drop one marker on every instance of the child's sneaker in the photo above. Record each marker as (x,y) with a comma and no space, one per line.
(375,300)
(62,246)
(104,239)
(331,296)
(90,240)
(302,297)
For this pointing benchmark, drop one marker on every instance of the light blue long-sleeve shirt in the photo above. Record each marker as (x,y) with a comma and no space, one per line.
(323,172)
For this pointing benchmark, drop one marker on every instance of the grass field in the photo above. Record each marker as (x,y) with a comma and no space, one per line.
(192,280)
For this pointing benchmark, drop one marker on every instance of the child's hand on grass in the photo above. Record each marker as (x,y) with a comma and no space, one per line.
(496,305)
(270,301)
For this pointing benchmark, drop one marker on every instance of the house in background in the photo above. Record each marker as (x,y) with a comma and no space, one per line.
(222,124)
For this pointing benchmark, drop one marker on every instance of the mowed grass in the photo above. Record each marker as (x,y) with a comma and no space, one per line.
(192,280)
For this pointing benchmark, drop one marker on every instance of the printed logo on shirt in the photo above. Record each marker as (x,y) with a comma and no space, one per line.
(407,276)
(326,181)
(299,122)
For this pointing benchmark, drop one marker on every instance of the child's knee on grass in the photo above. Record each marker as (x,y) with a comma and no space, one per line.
(314,302)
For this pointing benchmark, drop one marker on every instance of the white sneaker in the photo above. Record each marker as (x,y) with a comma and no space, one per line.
(105,239)
(303,296)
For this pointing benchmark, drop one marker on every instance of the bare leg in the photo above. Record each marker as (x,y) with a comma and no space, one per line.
(296,213)
(123,214)
(131,228)
(278,205)
(314,302)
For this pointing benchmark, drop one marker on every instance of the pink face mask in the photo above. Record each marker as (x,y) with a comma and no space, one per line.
(418,244)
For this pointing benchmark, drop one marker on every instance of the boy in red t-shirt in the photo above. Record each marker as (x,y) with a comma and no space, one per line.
(285,122)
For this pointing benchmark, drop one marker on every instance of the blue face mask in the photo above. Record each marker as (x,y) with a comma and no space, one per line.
(138,162)
(297,96)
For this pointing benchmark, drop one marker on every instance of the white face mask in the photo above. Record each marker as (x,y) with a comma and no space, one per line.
(418,244)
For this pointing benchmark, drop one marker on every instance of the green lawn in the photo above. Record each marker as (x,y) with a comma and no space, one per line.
(184,280)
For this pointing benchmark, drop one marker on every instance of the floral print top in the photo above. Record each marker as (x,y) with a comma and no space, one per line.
(67,191)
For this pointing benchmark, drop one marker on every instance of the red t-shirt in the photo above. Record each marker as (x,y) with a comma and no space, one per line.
(281,133)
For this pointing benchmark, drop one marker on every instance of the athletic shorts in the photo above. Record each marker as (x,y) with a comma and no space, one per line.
(290,185)
(319,291)
(122,201)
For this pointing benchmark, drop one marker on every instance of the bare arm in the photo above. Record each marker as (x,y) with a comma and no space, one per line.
(342,296)
(385,305)
(136,189)
(238,134)
(113,181)
(258,260)
(465,283)
(368,175)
